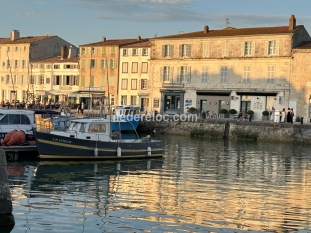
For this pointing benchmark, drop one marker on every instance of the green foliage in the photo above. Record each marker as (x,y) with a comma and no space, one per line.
(192,110)
(250,112)
(266,113)
(232,111)
(298,119)
(223,111)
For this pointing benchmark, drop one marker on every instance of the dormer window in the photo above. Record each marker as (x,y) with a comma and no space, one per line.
(125,52)
(134,52)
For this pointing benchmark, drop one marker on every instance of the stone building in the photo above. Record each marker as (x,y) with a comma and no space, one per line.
(16,55)
(133,74)
(99,71)
(56,78)
(240,68)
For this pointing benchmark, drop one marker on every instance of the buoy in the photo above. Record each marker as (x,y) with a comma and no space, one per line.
(8,137)
(17,138)
(148,150)
(148,165)
(119,151)
(95,152)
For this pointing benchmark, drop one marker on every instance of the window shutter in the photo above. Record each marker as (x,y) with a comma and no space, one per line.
(171,74)
(242,49)
(172,51)
(83,64)
(104,50)
(178,74)
(189,50)
(188,74)
(277,47)
(116,63)
(162,74)
(253,48)
(163,50)
(180,50)
(266,48)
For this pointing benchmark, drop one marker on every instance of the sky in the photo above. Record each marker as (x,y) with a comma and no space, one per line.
(86,21)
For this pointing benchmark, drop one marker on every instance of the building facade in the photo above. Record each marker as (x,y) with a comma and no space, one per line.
(16,55)
(133,74)
(247,68)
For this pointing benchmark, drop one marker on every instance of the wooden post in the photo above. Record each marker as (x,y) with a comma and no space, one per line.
(6,216)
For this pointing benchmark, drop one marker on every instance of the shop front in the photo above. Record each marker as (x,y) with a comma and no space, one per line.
(172,101)
(91,97)
(213,101)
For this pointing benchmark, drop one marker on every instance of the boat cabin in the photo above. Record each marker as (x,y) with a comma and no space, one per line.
(127,110)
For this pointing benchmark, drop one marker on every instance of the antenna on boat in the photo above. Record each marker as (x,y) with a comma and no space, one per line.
(109,106)
(90,102)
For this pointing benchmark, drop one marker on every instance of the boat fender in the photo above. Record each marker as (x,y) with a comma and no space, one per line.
(8,137)
(95,152)
(148,150)
(119,151)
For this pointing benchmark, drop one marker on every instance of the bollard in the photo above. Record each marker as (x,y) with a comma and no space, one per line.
(6,216)
(301,120)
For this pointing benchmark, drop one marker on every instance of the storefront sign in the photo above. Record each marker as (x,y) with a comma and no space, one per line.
(92,88)
(174,85)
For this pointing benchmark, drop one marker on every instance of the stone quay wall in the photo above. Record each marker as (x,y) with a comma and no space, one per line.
(220,128)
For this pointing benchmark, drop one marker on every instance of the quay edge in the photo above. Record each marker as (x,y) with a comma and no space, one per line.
(220,128)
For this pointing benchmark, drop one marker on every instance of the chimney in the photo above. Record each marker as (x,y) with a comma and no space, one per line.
(14,35)
(138,37)
(104,39)
(292,22)
(64,52)
(206,29)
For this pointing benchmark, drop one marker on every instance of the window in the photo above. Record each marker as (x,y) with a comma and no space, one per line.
(134,84)
(8,64)
(41,79)
(15,64)
(223,74)
(185,50)
(41,66)
(47,80)
(206,50)
(56,66)
(67,80)
(93,50)
(112,99)
(92,63)
(16,49)
(3,64)
(225,49)
(32,79)
(113,50)
(167,50)
(124,84)
(123,99)
(144,52)
(144,84)
(23,64)
(66,66)
(75,80)
(167,74)
(7,79)
(57,80)
(125,52)
(83,51)
(272,48)
(134,52)
(246,74)
(204,74)
(248,48)
(133,99)
(112,64)
(15,79)
(184,74)
(144,67)
(22,79)
(134,67)
(124,67)
(104,64)
(271,74)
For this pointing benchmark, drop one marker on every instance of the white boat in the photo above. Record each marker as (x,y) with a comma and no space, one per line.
(125,117)
(91,139)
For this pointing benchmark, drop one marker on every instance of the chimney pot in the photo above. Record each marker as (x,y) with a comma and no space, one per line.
(292,22)
(206,29)
(104,39)
(138,37)
(14,35)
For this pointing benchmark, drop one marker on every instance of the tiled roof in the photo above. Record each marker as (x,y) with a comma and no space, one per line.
(117,42)
(138,44)
(24,40)
(58,60)
(234,32)
(304,45)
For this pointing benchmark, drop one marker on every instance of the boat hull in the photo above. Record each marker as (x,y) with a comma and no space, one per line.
(55,147)
(124,126)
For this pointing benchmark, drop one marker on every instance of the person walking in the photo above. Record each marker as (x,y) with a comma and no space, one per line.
(79,108)
(272,113)
(292,116)
(82,107)
(288,115)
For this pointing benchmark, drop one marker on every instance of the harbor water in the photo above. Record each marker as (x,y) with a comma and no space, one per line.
(200,185)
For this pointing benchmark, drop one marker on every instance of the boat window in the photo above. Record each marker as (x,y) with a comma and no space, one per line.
(14,119)
(25,120)
(74,126)
(97,128)
(1,115)
(82,127)
(4,120)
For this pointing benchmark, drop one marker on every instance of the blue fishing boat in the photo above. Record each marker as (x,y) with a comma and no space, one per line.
(125,118)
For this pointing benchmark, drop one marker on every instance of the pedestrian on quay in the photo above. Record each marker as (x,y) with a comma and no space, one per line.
(272,114)
(82,107)
(288,116)
(292,116)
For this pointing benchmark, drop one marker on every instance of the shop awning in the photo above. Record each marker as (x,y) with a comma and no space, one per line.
(257,93)
(214,92)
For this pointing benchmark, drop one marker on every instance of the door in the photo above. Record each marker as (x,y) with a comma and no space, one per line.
(203,106)
(144,104)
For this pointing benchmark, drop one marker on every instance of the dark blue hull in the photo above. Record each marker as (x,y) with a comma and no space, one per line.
(124,126)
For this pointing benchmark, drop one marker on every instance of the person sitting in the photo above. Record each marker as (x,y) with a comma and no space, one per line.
(244,117)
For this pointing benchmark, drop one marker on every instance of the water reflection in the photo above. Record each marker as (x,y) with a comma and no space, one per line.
(201,185)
